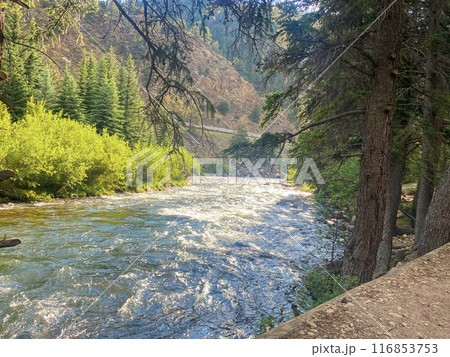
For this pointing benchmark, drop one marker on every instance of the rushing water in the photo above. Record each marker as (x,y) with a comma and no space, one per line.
(200,261)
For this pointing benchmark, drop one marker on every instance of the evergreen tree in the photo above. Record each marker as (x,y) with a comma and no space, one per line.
(67,99)
(106,113)
(87,81)
(130,101)
(82,78)
(45,90)
(27,73)
(16,87)
(33,64)
(16,91)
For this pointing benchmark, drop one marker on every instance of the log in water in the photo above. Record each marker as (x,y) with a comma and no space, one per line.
(6,243)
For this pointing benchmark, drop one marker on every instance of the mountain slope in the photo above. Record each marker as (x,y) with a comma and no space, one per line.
(214,75)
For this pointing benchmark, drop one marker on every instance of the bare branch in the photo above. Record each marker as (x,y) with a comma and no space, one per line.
(21,3)
(325,121)
(357,68)
(365,54)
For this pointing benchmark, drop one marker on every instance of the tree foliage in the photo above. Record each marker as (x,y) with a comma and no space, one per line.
(67,99)
(55,156)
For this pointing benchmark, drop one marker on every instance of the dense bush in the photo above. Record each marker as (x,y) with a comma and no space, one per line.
(58,157)
(167,167)
(267,323)
(320,286)
(341,190)
(223,108)
(255,114)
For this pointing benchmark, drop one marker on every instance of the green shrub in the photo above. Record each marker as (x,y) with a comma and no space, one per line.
(267,323)
(320,286)
(59,157)
(223,108)
(341,190)
(180,166)
(255,113)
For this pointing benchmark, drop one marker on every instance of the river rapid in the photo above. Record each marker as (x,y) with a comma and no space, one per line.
(203,261)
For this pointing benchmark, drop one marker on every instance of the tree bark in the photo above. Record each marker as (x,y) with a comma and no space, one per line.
(436,231)
(393,198)
(2,36)
(433,126)
(360,255)
(414,207)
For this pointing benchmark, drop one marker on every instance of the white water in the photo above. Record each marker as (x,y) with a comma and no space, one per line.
(206,260)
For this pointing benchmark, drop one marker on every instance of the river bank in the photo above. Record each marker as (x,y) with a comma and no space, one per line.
(408,302)
(7,203)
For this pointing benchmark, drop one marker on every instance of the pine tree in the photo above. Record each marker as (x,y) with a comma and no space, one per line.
(45,90)
(88,87)
(33,64)
(82,78)
(16,91)
(436,231)
(37,73)
(67,99)
(106,113)
(130,101)
(28,75)
(435,69)
(16,87)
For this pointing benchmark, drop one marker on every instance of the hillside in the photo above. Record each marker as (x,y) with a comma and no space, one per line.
(213,74)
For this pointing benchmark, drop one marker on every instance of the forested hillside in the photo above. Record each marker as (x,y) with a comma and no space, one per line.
(236,100)
(70,127)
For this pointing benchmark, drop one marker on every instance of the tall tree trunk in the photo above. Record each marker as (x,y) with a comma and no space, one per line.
(393,198)
(414,206)
(360,255)
(436,231)
(2,36)
(433,126)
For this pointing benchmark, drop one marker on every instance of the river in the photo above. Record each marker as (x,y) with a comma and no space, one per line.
(202,261)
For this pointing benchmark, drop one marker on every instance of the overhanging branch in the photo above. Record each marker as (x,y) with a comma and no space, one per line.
(325,121)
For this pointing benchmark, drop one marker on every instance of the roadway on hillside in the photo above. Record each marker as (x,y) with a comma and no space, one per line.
(222,130)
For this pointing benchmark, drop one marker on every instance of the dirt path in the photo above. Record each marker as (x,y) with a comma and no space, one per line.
(411,301)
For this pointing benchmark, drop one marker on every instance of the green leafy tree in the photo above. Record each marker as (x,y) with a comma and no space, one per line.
(241,134)
(255,113)
(223,107)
